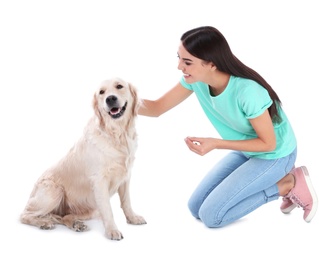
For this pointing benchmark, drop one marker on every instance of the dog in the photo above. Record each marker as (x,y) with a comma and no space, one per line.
(80,185)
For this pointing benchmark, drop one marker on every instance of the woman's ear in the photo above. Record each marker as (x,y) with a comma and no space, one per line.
(213,66)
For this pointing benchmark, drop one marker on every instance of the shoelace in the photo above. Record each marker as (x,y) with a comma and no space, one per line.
(285,198)
(297,201)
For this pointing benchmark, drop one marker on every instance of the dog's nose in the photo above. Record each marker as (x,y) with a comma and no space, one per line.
(111,100)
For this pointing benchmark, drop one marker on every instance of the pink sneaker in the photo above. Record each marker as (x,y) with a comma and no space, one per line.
(287,205)
(303,194)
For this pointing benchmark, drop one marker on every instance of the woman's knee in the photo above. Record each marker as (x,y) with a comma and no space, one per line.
(209,217)
(193,207)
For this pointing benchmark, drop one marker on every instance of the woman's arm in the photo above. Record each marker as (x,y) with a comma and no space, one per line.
(172,98)
(265,141)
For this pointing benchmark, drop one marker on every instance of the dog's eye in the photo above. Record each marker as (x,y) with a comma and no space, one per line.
(119,86)
(102,92)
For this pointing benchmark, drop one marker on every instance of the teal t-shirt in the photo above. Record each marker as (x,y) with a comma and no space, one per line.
(229,112)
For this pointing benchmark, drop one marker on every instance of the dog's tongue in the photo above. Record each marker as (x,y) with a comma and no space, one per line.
(114,110)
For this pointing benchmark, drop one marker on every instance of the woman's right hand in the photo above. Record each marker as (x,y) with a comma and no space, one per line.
(201,146)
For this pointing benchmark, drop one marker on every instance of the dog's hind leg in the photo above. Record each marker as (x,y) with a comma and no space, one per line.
(45,199)
(74,221)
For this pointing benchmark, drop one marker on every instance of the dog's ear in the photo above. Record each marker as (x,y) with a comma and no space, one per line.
(95,105)
(136,100)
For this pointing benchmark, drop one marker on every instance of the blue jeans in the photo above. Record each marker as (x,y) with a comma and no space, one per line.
(236,186)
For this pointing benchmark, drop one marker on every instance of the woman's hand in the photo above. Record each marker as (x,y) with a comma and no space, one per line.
(265,141)
(201,146)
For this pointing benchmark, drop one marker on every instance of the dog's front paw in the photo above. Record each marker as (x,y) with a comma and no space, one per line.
(114,235)
(136,220)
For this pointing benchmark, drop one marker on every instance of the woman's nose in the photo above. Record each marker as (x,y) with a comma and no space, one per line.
(179,66)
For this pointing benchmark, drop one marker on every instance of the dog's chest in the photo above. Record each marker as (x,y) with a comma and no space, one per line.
(115,152)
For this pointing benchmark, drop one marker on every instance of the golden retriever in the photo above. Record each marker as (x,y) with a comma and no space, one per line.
(80,185)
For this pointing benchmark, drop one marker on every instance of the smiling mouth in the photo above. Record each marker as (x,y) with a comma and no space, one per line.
(117,112)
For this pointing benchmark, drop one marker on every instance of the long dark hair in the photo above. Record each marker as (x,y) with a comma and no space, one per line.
(208,44)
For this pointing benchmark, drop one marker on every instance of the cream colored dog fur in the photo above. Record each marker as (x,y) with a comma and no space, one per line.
(80,185)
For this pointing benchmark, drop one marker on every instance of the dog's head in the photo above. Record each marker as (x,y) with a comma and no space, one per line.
(115,99)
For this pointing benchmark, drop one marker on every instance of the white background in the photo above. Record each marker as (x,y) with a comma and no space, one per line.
(53,56)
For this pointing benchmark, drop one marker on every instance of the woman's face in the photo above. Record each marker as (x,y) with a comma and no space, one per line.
(194,69)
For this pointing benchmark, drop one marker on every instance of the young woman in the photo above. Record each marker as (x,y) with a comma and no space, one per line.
(247,114)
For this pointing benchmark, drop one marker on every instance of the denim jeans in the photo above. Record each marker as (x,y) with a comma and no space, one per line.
(236,186)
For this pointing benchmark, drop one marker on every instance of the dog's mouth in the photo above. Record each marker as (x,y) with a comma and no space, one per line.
(117,112)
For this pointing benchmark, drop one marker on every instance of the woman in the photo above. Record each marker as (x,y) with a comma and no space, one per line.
(247,114)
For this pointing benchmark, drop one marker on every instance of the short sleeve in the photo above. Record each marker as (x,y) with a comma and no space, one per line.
(254,100)
(186,85)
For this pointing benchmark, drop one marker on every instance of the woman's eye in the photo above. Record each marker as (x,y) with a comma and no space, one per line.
(188,63)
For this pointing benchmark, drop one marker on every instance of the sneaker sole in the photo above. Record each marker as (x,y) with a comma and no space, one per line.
(288,209)
(313,194)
